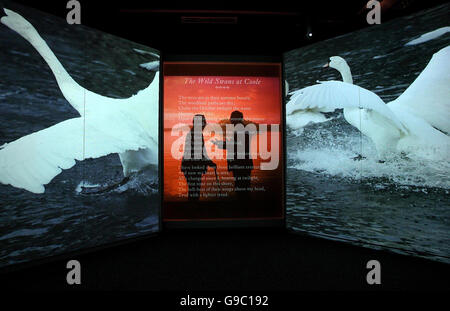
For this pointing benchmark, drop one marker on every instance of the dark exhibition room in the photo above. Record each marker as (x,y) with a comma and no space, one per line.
(225,155)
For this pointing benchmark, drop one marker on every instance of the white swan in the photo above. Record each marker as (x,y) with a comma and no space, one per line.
(128,127)
(412,123)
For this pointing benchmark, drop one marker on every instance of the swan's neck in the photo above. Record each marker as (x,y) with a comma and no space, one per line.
(70,89)
(346,74)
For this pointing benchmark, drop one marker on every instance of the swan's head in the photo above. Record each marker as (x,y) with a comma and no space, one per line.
(336,62)
(340,65)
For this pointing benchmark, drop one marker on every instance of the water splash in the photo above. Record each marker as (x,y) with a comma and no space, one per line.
(330,150)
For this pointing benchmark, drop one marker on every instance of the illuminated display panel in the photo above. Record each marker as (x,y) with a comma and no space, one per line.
(237,171)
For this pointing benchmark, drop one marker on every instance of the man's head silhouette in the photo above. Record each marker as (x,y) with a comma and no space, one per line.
(236,117)
(199,119)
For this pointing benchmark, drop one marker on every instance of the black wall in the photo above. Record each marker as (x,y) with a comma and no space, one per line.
(231,27)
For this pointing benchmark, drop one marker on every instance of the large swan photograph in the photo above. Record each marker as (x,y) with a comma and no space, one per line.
(78,137)
(368,125)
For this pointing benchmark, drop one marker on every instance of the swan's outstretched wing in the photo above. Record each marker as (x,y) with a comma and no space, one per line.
(331,95)
(428,97)
(34,160)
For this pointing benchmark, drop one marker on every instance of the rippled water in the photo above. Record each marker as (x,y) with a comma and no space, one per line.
(401,205)
(63,219)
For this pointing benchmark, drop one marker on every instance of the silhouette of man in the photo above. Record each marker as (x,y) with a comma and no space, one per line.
(195,160)
(241,164)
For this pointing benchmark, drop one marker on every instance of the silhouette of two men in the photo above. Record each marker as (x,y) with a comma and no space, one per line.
(195,160)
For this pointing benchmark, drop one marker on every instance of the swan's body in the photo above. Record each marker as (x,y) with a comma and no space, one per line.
(412,123)
(106,125)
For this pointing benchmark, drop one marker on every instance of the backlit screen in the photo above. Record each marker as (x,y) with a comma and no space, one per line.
(222,141)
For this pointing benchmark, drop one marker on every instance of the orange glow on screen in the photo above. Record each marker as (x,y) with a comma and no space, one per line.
(216,97)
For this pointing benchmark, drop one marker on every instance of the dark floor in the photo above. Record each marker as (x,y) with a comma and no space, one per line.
(233,260)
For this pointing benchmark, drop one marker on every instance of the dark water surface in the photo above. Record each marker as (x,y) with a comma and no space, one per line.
(401,205)
(62,219)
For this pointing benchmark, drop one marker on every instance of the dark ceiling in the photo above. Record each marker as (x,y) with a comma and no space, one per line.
(231,27)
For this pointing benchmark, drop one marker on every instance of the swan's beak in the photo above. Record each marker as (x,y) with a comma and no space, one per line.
(326,65)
